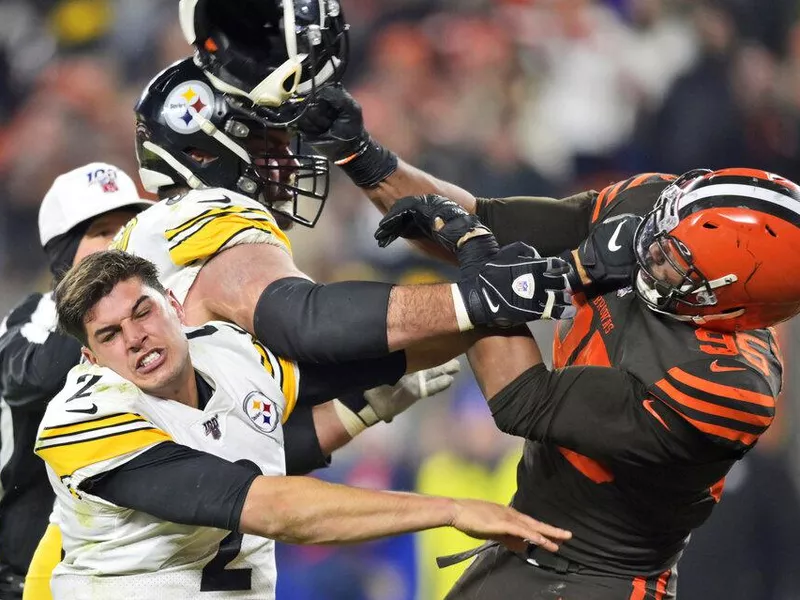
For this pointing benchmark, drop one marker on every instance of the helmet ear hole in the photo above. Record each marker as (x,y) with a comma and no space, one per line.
(770,231)
(709,225)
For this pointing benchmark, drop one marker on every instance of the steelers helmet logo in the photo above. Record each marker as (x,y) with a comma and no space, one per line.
(184,103)
(262,412)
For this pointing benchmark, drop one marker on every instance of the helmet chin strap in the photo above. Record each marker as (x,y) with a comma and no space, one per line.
(652,296)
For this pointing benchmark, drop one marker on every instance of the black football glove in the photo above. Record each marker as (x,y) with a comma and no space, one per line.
(606,260)
(517,286)
(443,221)
(334,126)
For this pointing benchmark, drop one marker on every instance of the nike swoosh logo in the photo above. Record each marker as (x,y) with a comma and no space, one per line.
(612,243)
(718,368)
(85,411)
(492,306)
(648,406)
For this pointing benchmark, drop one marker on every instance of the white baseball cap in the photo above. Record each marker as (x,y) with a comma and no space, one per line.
(85,193)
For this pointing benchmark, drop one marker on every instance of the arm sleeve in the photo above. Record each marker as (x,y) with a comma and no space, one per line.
(329,323)
(726,400)
(549,225)
(178,484)
(301,444)
(34,359)
(600,412)
(321,383)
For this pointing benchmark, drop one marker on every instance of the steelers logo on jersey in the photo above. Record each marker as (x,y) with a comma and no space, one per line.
(262,412)
(184,103)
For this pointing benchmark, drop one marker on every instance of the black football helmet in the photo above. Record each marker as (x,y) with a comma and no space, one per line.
(270,52)
(190,134)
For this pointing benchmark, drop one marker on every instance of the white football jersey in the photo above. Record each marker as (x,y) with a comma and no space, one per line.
(180,234)
(99,421)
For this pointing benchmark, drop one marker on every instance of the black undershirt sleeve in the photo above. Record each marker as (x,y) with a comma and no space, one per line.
(597,411)
(301,444)
(179,484)
(331,323)
(322,382)
(549,225)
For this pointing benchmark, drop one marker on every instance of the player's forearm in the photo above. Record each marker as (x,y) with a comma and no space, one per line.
(419,313)
(303,510)
(331,432)
(499,359)
(408,180)
(433,352)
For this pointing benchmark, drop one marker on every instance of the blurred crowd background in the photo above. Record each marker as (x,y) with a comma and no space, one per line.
(505,97)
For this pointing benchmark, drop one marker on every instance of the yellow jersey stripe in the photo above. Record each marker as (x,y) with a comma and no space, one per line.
(123,238)
(170,234)
(215,213)
(67,458)
(90,425)
(216,234)
(289,385)
(264,358)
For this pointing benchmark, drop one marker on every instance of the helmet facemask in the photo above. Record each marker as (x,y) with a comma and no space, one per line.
(668,280)
(280,175)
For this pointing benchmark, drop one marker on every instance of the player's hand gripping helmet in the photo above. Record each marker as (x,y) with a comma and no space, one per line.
(721,249)
(267,51)
(189,134)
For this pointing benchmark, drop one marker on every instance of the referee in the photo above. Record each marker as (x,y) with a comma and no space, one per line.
(80,214)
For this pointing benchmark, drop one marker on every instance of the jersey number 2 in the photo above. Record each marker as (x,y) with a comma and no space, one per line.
(216,578)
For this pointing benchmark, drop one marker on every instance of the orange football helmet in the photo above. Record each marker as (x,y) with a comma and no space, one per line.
(733,238)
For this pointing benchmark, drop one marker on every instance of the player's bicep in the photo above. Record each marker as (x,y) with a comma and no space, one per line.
(600,412)
(231,283)
(551,226)
(178,484)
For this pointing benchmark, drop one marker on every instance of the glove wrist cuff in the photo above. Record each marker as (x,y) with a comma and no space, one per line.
(462,314)
(355,421)
(577,277)
(369,165)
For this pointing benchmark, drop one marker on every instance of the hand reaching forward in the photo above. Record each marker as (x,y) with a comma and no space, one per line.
(443,221)
(489,521)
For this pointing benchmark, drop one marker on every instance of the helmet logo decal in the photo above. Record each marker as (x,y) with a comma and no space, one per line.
(184,102)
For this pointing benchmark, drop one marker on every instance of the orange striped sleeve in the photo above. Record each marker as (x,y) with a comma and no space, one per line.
(599,203)
(613,191)
(712,408)
(729,402)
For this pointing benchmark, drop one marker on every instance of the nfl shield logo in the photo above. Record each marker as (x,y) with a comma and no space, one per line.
(262,412)
(524,286)
(106,179)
